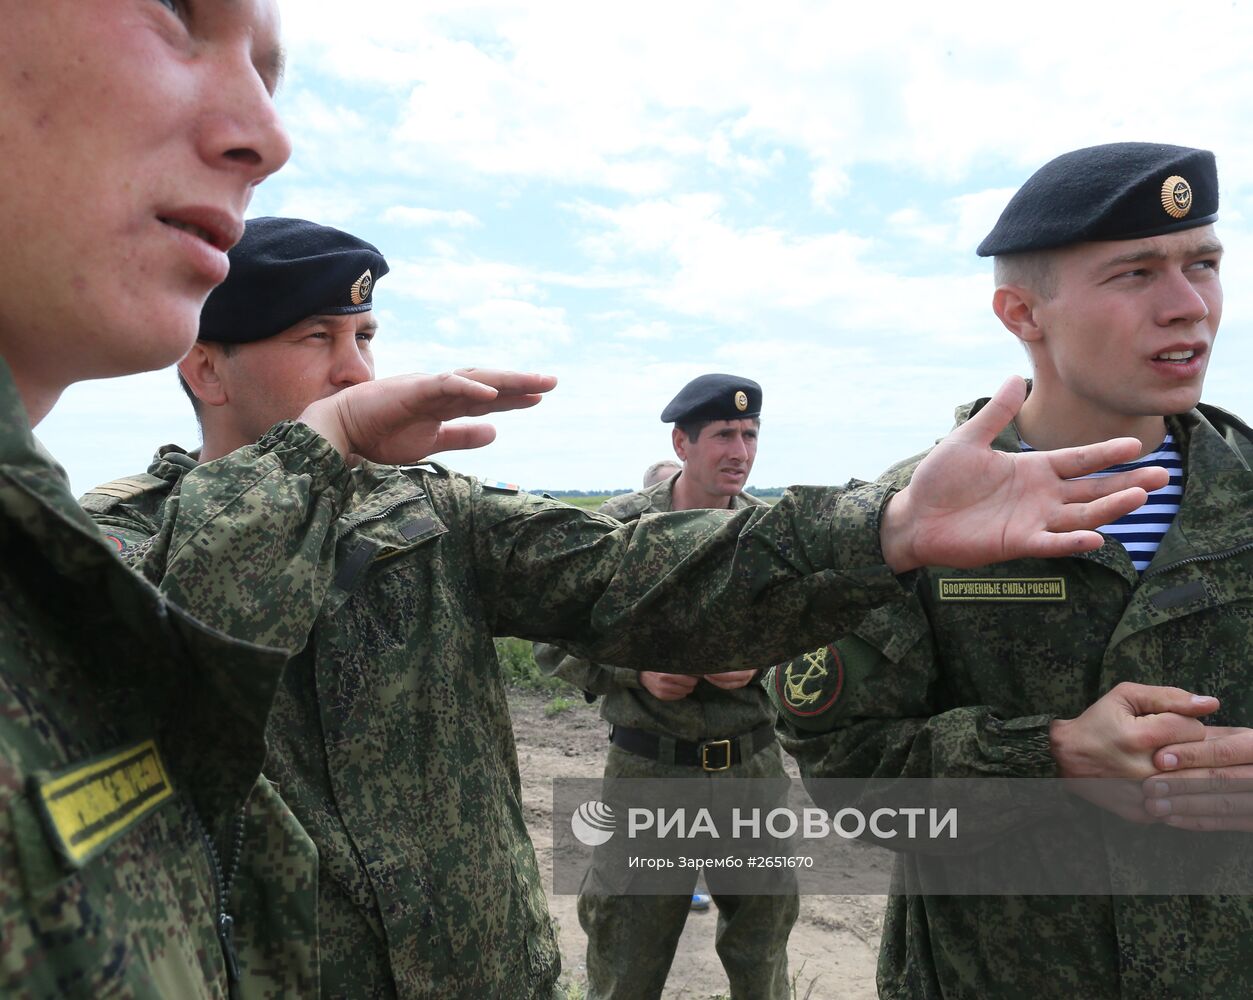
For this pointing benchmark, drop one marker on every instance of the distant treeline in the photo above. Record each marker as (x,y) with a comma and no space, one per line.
(772,491)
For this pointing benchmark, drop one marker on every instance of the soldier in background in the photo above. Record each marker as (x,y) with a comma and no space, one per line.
(665,725)
(659,471)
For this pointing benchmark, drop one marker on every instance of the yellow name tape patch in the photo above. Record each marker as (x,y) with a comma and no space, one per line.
(1032,588)
(88,806)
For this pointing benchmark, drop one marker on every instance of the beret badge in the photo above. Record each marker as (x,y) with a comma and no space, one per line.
(1176,196)
(359,293)
(741,401)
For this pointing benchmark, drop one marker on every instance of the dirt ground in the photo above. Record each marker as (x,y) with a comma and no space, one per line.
(833,947)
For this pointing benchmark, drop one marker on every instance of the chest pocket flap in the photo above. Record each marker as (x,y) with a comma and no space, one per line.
(379,530)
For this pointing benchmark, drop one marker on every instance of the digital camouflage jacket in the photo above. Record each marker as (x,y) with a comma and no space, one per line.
(708,712)
(122,720)
(963,680)
(392,740)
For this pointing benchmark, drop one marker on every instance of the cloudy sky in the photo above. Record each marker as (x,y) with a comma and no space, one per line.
(629,195)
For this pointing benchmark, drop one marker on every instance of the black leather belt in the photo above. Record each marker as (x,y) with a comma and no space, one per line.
(709,755)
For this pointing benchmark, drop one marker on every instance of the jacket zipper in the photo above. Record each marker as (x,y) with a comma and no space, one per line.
(223,883)
(1209,557)
(353,525)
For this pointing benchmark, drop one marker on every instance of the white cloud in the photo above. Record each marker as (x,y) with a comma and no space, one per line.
(790,190)
(412,215)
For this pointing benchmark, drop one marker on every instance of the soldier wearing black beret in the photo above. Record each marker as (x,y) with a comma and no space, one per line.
(291,283)
(717,459)
(668,725)
(1096,666)
(284,270)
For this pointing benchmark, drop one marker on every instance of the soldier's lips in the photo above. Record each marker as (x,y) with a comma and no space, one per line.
(1180,361)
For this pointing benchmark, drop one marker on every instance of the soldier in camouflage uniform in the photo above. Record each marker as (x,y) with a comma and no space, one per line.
(391,738)
(139,854)
(1088,666)
(130,734)
(720,726)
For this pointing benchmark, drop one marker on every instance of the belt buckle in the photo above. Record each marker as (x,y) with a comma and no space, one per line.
(704,754)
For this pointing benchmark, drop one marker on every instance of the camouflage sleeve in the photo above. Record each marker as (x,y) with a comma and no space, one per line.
(688,592)
(246,542)
(868,706)
(594,678)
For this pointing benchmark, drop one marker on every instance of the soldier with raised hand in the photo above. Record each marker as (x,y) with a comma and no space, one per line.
(718,727)
(391,739)
(139,854)
(1102,665)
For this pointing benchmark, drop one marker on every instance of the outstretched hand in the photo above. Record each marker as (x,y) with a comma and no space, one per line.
(402,420)
(968,505)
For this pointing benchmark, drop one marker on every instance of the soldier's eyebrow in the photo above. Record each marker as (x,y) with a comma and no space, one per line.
(270,65)
(1140,256)
(1209,248)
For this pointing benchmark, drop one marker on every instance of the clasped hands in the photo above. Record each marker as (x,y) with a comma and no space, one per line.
(1173,768)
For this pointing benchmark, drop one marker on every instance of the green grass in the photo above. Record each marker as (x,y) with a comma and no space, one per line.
(587,503)
(559,704)
(520,669)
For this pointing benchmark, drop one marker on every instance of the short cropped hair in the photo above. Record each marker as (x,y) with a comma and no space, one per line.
(1034,269)
(652,474)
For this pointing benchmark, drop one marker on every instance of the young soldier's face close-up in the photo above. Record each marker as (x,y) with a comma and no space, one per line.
(1131,325)
(134,132)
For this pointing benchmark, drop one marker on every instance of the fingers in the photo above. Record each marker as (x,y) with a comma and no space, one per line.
(462,437)
(509,381)
(1052,544)
(1070,463)
(1200,782)
(731,680)
(1210,824)
(1146,699)
(1084,490)
(1096,513)
(452,385)
(667,687)
(1206,800)
(982,428)
(1231,749)
(504,401)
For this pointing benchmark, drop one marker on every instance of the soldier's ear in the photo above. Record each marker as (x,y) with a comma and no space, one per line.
(679,440)
(201,370)
(1015,306)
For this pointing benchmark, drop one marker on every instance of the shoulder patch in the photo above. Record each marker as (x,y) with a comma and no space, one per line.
(89,805)
(116,542)
(106,496)
(129,487)
(497,487)
(811,683)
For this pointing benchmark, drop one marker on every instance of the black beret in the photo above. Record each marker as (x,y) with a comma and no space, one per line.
(1120,191)
(285,270)
(714,397)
